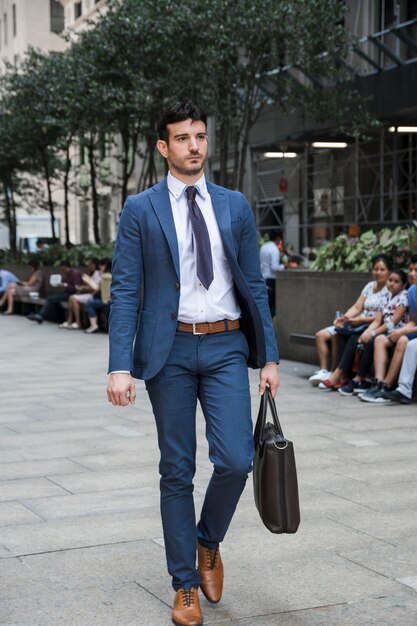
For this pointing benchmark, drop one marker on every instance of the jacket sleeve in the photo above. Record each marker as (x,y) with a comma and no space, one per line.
(248,260)
(127,269)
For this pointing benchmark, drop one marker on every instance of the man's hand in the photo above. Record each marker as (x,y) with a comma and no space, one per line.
(269,376)
(121,389)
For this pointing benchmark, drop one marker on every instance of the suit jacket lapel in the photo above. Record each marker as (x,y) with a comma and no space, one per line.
(162,207)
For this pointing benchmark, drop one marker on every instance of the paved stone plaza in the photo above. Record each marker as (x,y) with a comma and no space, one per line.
(80,534)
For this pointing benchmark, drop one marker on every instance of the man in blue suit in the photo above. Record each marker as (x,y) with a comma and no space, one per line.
(189,312)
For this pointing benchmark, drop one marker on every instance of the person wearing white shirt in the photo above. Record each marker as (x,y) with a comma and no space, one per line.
(270,265)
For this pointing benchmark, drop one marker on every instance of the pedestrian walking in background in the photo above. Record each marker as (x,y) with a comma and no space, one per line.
(188,293)
(271,264)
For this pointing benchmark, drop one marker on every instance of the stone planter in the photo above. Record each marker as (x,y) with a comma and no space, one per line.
(307,301)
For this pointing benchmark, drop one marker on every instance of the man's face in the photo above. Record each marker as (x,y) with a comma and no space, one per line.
(186,151)
(412,274)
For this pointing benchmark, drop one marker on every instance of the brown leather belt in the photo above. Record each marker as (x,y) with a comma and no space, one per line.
(208,328)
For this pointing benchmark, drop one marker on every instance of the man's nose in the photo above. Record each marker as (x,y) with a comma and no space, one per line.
(193,145)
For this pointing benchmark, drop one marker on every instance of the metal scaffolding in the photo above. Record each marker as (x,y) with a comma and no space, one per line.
(370,184)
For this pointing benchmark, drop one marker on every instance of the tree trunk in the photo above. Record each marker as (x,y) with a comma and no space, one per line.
(125,176)
(45,162)
(242,158)
(94,194)
(148,176)
(10,214)
(66,194)
(224,150)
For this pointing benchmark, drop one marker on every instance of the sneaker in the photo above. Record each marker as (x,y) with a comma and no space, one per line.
(327,385)
(91,329)
(374,394)
(354,386)
(64,325)
(318,377)
(35,317)
(396,396)
(362,386)
(347,390)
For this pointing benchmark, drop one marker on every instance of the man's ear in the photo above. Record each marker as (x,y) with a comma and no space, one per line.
(162,147)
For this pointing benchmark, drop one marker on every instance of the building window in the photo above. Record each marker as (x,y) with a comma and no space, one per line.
(78,10)
(14,21)
(57,17)
(5,28)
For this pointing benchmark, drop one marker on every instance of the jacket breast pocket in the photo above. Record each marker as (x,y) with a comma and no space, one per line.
(144,337)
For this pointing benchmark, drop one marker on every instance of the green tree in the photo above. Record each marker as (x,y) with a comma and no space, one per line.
(9,164)
(117,84)
(29,94)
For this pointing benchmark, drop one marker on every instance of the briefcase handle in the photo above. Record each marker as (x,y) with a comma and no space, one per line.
(266,400)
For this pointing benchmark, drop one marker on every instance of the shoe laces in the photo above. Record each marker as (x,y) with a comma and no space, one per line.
(211,557)
(187,597)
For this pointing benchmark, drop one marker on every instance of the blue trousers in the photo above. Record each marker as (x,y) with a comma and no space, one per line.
(212,369)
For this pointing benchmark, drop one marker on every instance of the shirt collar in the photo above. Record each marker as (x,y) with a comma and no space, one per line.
(177,187)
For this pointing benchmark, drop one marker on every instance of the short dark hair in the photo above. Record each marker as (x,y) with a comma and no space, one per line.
(401,274)
(179,112)
(274,234)
(386,259)
(64,263)
(106,262)
(94,260)
(413,259)
(34,263)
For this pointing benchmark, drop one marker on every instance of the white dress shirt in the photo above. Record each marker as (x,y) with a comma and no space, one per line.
(198,304)
(270,257)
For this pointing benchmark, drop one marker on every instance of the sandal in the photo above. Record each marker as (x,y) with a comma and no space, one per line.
(64,325)
(328,385)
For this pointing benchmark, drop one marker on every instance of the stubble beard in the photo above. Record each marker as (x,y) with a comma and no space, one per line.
(190,170)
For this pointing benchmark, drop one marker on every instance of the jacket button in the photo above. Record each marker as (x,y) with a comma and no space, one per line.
(177,285)
(173,316)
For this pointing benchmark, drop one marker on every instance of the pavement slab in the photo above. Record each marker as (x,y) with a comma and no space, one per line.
(80,532)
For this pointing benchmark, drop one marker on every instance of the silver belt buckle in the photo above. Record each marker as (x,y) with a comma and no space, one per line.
(194,330)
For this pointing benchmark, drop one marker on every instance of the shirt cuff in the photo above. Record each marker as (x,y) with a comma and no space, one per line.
(119,372)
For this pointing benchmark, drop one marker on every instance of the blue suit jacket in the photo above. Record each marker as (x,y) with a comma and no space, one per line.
(146,280)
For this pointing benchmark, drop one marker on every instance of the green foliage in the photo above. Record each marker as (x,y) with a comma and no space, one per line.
(117,76)
(354,255)
(76,255)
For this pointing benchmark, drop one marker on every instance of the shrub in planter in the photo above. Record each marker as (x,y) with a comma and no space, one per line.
(76,255)
(346,254)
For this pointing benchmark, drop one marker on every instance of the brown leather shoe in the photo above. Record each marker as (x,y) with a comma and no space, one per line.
(210,567)
(186,610)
